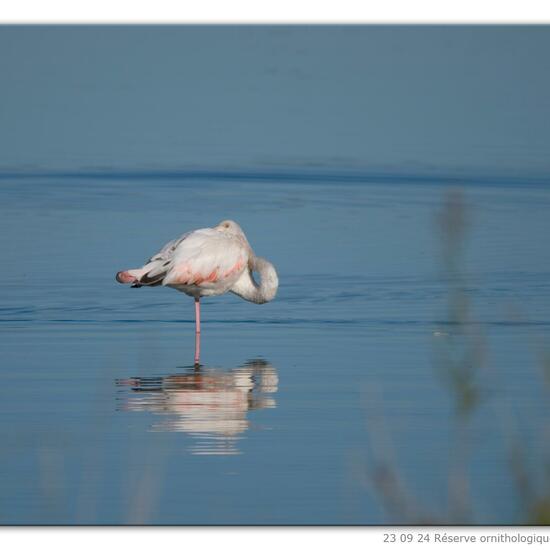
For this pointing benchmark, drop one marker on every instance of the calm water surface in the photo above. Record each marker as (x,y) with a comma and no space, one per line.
(298,402)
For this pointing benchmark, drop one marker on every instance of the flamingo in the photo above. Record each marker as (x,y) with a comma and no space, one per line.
(208,262)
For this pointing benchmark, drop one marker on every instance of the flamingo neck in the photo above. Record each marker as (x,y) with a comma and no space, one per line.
(247,288)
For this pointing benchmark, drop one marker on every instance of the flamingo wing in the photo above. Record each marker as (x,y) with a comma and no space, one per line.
(158,265)
(203,257)
(206,257)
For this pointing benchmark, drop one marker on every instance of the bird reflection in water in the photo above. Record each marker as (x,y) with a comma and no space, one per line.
(209,404)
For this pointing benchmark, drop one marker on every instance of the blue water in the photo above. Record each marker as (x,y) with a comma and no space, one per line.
(299,402)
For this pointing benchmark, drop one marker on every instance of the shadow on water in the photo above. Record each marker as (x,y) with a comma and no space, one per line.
(208,404)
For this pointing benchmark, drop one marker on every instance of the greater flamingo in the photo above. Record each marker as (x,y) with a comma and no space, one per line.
(208,262)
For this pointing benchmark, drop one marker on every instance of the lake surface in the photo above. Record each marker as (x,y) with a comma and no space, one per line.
(328,405)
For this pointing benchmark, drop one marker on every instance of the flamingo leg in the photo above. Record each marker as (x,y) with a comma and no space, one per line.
(197,330)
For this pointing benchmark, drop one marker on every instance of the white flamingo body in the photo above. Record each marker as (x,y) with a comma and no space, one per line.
(204,262)
(208,262)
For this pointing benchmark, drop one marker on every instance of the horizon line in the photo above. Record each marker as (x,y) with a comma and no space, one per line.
(301,175)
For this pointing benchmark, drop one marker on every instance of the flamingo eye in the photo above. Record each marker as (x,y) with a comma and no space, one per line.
(226,225)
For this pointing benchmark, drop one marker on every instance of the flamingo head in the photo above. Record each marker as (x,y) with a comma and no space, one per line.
(231,227)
